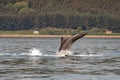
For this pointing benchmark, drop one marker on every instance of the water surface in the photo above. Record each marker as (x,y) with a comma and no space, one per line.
(95,59)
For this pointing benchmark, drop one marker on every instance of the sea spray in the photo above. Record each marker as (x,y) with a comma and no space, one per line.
(35,52)
(64,53)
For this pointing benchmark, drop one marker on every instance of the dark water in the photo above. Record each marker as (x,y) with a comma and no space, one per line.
(97,59)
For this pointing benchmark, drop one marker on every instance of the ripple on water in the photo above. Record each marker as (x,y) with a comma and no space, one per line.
(18,63)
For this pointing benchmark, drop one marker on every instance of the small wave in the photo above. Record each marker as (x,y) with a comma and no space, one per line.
(9,54)
(87,55)
(31,52)
(37,52)
(5,54)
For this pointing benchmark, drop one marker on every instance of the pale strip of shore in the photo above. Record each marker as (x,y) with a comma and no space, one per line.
(101,36)
(32,36)
(52,36)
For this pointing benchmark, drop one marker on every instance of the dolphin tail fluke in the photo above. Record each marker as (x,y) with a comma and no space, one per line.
(63,39)
(66,43)
(77,36)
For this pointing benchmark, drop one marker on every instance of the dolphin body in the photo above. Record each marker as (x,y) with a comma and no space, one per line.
(66,43)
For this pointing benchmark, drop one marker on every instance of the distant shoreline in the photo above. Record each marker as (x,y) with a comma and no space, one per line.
(51,36)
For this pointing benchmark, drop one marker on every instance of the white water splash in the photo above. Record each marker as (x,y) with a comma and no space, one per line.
(35,52)
(64,53)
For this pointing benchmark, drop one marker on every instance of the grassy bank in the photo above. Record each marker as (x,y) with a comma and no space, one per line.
(17,32)
(56,31)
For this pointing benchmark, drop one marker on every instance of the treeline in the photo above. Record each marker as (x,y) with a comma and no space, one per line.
(74,14)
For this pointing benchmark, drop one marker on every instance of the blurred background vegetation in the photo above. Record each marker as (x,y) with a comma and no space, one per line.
(60,16)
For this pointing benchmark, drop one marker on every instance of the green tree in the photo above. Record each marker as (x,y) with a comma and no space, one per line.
(27,11)
(20,5)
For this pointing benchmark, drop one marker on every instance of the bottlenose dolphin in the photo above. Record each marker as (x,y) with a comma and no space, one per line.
(66,43)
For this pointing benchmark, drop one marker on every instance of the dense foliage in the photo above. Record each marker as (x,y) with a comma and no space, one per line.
(74,14)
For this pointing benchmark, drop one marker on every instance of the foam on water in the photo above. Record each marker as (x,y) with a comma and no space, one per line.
(32,52)
(69,53)
(62,53)
(88,55)
(35,52)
